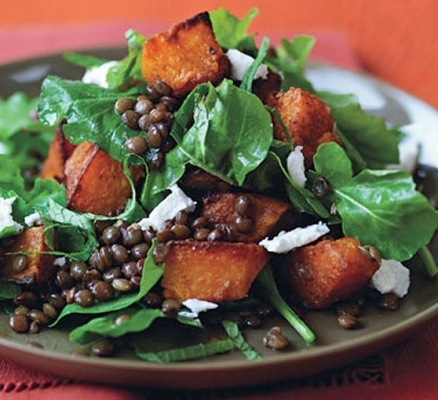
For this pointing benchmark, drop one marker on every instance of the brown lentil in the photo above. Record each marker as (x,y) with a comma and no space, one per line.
(19,263)
(347,321)
(121,285)
(274,339)
(103,347)
(84,298)
(136,144)
(19,323)
(123,104)
(389,301)
(130,119)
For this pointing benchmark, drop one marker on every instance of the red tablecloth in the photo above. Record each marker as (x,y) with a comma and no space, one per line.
(407,371)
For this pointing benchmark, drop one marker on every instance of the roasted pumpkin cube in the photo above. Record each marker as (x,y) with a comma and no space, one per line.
(59,151)
(184,56)
(38,267)
(267,215)
(306,117)
(328,271)
(95,182)
(212,271)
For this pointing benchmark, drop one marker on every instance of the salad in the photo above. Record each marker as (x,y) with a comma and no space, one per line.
(200,181)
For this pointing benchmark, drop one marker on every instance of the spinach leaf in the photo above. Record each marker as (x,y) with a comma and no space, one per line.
(239,341)
(230,32)
(89,110)
(252,70)
(8,290)
(290,59)
(137,320)
(379,207)
(367,133)
(83,60)
(14,113)
(200,350)
(266,287)
(221,139)
(129,69)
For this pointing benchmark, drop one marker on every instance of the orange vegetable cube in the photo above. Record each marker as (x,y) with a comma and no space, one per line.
(185,55)
(211,271)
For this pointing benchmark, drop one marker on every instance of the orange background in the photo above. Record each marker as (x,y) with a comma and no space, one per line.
(396,40)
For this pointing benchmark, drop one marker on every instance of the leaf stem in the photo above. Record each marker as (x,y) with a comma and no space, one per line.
(428,261)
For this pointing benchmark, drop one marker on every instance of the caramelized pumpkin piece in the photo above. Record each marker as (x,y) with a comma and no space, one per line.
(38,267)
(307,118)
(184,56)
(211,271)
(268,215)
(59,151)
(329,271)
(95,182)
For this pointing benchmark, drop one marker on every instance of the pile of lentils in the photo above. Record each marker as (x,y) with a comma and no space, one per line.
(116,265)
(152,116)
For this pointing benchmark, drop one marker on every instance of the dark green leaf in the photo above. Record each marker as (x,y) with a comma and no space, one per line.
(367,133)
(89,110)
(137,320)
(252,70)
(379,207)
(221,140)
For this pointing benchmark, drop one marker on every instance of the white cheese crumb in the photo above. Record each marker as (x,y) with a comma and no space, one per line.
(391,277)
(240,62)
(196,306)
(6,219)
(60,261)
(288,241)
(175,202)
(295,166)
(32,219)
(97,75)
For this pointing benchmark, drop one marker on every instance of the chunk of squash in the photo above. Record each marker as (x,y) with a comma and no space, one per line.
(59,151)
(211,271)
(328,271)
(95,182)
(39,267)
(269,215)
(306,117)
(185,55)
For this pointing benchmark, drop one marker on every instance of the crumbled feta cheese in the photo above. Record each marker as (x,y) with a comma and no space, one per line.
(391,277)
(97,75)
(295,165)
(6,219)
(175,202)
(60,261)
(240,62)
(288,241)
(32,219)
(196,307)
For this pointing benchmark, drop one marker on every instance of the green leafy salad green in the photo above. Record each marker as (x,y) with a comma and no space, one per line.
(213,130)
